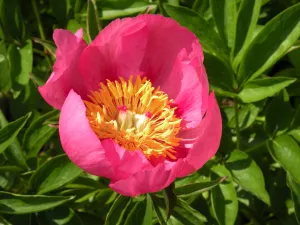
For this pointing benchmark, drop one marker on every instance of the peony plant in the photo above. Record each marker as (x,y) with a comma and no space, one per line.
(135,103)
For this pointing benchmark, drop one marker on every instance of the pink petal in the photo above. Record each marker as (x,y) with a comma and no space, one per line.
(191,98)
(166,39)
(124,162)
(147,45)
(66,75)
(209,135)
(79,33)
(78,139)
(147,181)
(117,51)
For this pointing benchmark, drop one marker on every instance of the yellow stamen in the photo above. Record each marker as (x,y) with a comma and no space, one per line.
(136,115)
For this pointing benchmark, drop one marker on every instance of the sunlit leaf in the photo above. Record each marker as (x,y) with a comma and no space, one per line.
(14,154)
(196,188)
(285,150)
(9,132)
(247,18)
(53,174)
(141,213)
(271,43)
(224,197)
(259,89)
(247,173)
(60,215)
(117,210)
(92,22)
(224,14)
(21,204)
(38,133)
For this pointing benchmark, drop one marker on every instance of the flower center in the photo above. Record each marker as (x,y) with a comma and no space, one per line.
(135,115)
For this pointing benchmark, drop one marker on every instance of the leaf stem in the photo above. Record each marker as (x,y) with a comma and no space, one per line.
(237,125)
(37,15)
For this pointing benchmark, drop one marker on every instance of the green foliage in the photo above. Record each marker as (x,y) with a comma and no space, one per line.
(21,204)
(223,197)
(252,58)
(53,174)
(9,132)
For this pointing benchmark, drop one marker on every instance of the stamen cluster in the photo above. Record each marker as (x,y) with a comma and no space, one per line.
(136,115)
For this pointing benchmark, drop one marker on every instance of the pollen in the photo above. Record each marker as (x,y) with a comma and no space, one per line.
(135,115)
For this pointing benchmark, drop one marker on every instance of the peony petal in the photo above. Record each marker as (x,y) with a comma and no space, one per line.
(78,139)
(117,51)
(124,162)
(65,76)
(166,39)
(79,33)
(192,96)
(209,136)
(147,181)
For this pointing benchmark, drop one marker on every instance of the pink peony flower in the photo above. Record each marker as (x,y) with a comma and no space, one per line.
(135,104)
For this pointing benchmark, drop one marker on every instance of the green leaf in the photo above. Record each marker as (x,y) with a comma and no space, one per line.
(223,197)
(279,115)
(270,44)
(137,7)
(117,210)
(53,174)
(285,150)
(21,59)
(224,14)
(26,63)
(220,74)
(247,115)
(170,199)
(247,173)
(9,132)
(38,133)
(92,22)
(5,80)
(25,59)
(295,134)
(21,204)
(209,39)
(141,213)
(116,4)
(295,192)
(157,209)
(14,154)
(61,215)
(10,169)
(48,45)
(197,188)
(4,221)
(295,124)
(259,89)
(11,19)
(203,8)
(245,27)
(83,182)
(187,215)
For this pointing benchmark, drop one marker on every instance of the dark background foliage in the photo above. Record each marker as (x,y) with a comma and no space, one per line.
(252,58)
